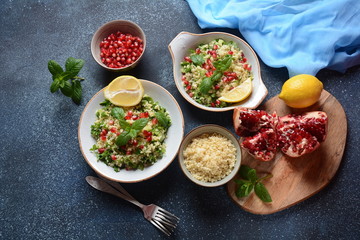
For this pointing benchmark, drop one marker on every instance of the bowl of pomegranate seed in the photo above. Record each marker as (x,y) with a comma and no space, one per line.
(118,45)
(216,71)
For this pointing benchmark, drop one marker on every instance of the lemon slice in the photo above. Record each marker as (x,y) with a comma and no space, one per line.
(125,91)
(239,93)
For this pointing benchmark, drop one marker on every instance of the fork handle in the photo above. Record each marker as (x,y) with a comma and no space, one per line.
(103,186)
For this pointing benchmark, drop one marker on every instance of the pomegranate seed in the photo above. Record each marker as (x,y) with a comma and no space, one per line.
(103,138)
(128,152)
(141,146)
(147,133)
(113,157)
(113,130)
(154,121)
(118,43)
(149,139)
(231,52)
(111,122)
(187,59)
(215,47)
(101,150)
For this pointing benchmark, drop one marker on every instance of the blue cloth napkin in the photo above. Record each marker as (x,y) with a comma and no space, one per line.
(302,35)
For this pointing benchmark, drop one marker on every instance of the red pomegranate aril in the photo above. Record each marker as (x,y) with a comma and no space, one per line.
(101,150)
(149,139)
(154,121)
(113,157)
(119,43)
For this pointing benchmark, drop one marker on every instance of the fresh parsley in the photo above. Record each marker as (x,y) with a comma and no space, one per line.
(67,81)
(249,181)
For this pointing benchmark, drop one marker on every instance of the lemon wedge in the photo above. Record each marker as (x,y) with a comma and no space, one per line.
(239,93)
(301,91)
(125,91)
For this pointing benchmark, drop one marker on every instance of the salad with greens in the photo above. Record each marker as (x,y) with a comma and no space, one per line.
(130,138)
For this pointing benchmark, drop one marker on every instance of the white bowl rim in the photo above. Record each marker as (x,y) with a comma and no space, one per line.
(151,176)
(212,109)
(210,127)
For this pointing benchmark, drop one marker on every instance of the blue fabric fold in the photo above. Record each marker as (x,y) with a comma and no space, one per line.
(303,36)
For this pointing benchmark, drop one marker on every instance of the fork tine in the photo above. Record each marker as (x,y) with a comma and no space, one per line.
(168,214)
(161,227)
(170,221)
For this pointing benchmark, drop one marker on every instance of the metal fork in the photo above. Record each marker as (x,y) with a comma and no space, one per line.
(159,217)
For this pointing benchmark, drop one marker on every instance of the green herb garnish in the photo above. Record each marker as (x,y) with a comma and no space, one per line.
(221,66)
(251,181)
(197,59)
(131,131)
(67,81)
(163,120)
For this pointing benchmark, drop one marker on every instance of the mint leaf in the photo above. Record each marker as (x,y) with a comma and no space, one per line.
(248,173)
(251,181)
(262,192)
(54,67)
(123,139)
(73,66)
(163,120)
(67,81)
(205,85)
(76,91)
(118,113)
(139,124)
(106,102)
(223,64)
(67,89)
(197,59)
(55,85)
(244,188)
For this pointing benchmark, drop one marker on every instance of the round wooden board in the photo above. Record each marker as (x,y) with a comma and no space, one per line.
(296,179)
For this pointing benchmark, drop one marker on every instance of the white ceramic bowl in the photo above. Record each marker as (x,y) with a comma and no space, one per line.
(173,140)
(105,30)
(179,48)
(210,128)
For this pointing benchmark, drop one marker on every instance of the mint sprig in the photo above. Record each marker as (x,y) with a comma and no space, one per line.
(67,81)
(130,130)
(250,181)
(221,66)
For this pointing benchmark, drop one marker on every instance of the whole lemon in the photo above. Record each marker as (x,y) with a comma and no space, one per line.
(301,91)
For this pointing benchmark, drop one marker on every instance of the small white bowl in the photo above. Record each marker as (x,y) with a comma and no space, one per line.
(173,140)
(108,28)
(179,48)
(210,128)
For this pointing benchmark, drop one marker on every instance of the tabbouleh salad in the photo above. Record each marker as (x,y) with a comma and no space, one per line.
(130,138)
(212,70)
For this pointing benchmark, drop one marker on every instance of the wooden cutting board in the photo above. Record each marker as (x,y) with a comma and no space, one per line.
(296,179)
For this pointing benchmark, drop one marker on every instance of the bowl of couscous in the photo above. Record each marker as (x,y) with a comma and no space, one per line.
(210,155)
(213,70)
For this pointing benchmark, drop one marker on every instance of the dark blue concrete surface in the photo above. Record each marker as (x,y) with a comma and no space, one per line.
(43,192)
